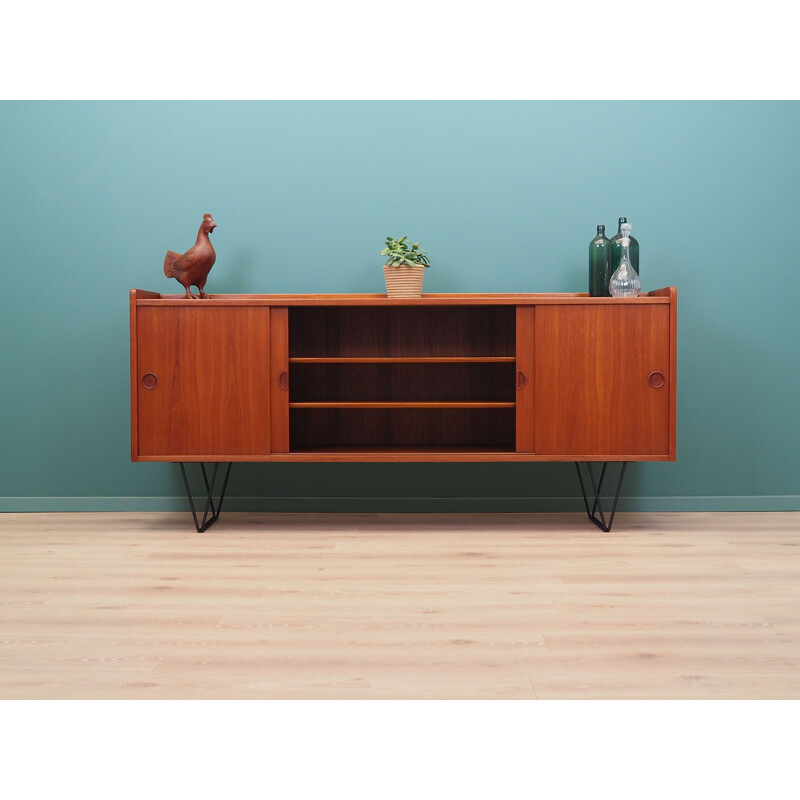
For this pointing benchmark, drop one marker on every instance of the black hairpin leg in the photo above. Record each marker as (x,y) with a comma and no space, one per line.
(215,510)
(597,487)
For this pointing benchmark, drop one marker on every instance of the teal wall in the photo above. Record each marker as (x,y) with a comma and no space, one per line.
(504,195)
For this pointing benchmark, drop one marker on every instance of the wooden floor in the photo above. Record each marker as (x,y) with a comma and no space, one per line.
(400,606)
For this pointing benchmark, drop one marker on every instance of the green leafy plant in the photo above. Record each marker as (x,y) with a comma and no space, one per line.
(402,254)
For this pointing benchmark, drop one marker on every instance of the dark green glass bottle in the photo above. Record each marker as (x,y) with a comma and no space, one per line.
(599,263)
(616,250)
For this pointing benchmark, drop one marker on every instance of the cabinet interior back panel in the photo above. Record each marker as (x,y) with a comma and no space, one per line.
(397,331)
(473,382)
(391,429)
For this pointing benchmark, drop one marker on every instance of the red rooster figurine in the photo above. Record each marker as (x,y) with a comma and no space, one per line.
(192,268)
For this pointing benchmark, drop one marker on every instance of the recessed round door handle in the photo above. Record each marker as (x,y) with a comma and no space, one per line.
(656,380)
(149,380)
(521,380)
(283,380)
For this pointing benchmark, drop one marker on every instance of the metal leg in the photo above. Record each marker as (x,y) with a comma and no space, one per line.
(597,487)
(207,521)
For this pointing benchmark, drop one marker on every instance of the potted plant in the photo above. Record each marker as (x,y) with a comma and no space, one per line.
(404,268)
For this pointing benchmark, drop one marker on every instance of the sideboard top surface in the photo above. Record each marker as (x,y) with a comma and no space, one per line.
(145,298)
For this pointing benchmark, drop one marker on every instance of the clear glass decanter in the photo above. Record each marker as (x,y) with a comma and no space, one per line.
(616,249)
(625,281)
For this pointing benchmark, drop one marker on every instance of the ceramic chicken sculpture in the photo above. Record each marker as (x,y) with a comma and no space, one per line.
(192,268)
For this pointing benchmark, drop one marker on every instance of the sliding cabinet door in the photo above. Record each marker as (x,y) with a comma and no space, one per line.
(203,381)
(279,379)
(603,380)
(524,379)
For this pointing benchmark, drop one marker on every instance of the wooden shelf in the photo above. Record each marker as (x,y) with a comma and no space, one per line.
(408,404)
(407,360)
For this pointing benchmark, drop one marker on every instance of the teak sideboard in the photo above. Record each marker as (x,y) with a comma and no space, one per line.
(447,377)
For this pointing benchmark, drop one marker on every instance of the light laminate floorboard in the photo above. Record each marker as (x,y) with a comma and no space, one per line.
(520,606)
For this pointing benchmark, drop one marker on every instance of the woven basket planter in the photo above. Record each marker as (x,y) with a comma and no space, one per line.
(404,281)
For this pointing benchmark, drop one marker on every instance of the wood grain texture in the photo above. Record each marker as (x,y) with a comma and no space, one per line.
(446,382)
(401,332)
(134,366)
(574,361)
(408,360)
(499,448)
(592,389)
(381,300)
(279,364)
(213,392)
(385,431)
(672,293)
(673,373)
(525,379)
(683,606)
(402,404)
(144,294)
